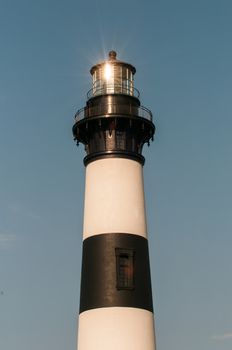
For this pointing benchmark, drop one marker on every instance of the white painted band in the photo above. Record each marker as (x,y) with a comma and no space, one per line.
(116,328)
(114,197)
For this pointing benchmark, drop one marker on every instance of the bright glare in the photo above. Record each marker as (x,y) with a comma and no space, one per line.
(107,71)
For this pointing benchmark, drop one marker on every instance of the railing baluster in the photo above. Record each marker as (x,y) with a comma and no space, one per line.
(87,112)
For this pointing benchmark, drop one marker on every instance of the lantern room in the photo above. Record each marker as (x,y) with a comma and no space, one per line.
(113,77)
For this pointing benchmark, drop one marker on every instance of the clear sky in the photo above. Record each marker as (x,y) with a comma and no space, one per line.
(182,51)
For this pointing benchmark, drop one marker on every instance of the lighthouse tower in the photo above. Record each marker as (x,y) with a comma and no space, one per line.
(116,311)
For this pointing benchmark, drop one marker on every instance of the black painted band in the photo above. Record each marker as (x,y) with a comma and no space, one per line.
(100,286)
(114,154)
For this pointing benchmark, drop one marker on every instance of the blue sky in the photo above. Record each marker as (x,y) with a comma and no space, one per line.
(182,51)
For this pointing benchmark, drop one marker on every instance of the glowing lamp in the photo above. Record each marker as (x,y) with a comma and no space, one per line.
(108,71)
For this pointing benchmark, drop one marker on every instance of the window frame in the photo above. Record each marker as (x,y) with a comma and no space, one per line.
(125,269)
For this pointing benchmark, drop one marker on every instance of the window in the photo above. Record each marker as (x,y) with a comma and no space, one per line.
(125,268)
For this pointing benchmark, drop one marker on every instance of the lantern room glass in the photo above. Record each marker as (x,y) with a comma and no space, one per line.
(109,78)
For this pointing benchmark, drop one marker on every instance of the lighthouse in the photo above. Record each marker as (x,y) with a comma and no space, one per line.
(116,309)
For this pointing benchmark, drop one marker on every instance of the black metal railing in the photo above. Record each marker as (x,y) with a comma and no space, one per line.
(113,109)
(107,89)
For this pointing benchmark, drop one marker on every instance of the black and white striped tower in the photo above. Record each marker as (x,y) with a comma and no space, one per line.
(116,310)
